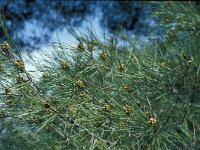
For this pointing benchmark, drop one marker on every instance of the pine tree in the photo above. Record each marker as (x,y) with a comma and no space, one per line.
(97,95)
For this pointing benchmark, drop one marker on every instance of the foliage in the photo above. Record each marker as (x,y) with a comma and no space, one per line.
(97,95)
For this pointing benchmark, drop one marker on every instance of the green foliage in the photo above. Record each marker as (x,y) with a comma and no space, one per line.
(97,95)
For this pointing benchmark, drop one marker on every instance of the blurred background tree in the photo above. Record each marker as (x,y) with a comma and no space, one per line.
(36,20)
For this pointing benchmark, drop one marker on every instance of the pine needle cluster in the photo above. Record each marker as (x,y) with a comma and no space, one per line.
(102,96)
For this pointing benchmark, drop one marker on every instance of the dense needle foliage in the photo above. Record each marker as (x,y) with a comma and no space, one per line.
(98,95)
